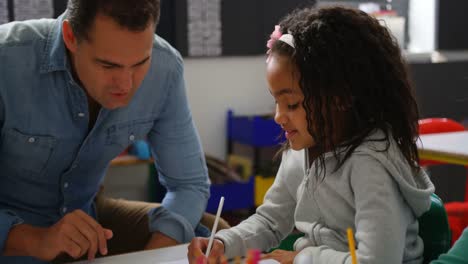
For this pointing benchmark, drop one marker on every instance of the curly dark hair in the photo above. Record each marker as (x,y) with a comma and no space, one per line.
(346,59)
(134,15)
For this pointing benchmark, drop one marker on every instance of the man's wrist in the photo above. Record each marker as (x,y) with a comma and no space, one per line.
(23,240)
(160,240)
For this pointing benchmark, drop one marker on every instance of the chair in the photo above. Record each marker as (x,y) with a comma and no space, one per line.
(288,242)
(456,211)
(439,125)
(433,229)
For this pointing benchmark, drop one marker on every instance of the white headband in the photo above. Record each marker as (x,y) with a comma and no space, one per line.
(288,39)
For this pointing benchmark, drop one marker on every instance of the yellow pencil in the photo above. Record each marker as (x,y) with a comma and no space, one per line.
(352,246)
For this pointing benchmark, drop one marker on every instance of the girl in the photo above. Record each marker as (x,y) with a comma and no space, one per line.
(344,100)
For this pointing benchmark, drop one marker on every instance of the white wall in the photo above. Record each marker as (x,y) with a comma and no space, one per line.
(216,84)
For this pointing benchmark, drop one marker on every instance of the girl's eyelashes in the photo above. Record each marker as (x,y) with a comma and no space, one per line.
(289,106)
(293,106)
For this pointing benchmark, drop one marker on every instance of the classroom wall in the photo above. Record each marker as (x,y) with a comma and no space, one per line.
(216,84)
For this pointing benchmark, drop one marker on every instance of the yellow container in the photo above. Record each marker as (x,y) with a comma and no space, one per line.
(262,184)
(243,166)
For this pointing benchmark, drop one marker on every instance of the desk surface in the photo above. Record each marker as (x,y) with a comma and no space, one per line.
(169,255)
(446,147)
(164,255)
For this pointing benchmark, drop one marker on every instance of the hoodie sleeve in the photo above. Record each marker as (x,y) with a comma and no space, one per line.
(385,225)
(273,220)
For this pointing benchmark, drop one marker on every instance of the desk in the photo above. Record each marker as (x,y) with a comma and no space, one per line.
(445,147)
(142,257)
(169,255)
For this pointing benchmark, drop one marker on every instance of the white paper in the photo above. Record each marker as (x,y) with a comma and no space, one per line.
(122,260)
(185,261)
(180,261)
(33,9)
(149,260)
(169,255)
(3,11)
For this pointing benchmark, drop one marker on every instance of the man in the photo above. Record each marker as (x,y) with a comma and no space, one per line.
(74,93)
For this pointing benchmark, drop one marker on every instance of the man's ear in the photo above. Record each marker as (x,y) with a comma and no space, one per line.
(69,37)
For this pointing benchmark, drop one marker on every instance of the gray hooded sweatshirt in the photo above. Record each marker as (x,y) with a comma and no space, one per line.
(375,193)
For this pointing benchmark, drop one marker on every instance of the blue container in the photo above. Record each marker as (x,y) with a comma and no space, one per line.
(257,131)
(237,195)
(141,149)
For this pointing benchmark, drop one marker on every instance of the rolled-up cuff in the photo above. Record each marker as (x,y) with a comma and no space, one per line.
(8,219)
(202,231)
(170,224)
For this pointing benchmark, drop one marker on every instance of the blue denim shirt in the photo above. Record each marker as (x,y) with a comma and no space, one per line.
(50,165)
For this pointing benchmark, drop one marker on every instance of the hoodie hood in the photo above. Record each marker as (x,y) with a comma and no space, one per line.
(414,185)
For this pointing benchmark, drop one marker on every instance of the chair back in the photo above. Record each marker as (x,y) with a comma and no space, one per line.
(439,125)
(434,230)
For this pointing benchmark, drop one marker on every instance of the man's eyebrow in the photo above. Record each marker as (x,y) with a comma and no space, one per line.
(141,62)
(117,65)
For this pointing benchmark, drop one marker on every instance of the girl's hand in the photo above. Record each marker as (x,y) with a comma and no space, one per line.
(282,256)
(197,249)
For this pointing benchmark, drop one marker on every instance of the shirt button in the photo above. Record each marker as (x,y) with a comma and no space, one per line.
(132,137)
(81,114)
(65,185)
(31,140)
(64,209)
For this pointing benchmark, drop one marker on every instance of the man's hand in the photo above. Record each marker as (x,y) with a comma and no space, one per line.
(75,234)
(160,240)
(282,256)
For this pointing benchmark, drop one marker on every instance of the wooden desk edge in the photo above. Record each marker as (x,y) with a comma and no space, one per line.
(443,157)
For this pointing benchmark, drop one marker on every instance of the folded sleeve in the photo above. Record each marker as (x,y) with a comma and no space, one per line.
(180,162)
(8,219)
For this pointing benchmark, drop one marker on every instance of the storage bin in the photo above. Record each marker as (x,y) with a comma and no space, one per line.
(237,195)
(258,131)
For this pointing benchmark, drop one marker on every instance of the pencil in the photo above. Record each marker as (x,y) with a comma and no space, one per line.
(215,226)
(352,246)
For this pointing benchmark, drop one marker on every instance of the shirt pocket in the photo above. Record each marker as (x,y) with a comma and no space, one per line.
(26,153)
(125,133)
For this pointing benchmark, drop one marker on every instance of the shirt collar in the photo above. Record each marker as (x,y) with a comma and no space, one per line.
(55,54)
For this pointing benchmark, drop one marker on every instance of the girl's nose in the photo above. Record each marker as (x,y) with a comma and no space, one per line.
(280,117)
